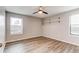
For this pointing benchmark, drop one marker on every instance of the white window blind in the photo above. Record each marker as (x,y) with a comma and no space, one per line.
(74,22)
(16,25)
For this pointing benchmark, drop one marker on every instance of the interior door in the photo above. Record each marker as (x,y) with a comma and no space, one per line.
(2,30)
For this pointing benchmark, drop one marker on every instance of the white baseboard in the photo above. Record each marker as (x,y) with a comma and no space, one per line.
(42,36)
(63,41)
(21,39)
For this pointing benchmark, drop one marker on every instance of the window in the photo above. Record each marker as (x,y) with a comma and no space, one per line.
(16,25)
(74,24)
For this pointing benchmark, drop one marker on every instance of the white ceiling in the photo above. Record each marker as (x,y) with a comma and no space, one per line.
(28,10)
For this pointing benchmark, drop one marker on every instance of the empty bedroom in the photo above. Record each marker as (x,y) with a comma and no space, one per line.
(39,29)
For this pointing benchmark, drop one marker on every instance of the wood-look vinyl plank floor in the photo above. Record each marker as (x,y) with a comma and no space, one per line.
(40,45)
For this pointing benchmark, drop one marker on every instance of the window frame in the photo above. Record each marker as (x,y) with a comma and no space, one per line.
(21,26)
(71,25)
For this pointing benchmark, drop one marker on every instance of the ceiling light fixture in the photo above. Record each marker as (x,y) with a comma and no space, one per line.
(40,11)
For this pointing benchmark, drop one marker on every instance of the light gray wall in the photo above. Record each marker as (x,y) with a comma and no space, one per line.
(31,27)
(2,29)
(60,31)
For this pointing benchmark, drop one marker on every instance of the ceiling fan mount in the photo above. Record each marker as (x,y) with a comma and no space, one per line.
(40,11)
